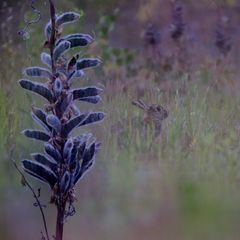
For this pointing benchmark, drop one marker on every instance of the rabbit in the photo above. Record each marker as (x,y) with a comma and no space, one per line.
(127,129)
(154,115)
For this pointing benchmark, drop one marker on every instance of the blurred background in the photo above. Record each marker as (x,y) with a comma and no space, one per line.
(182,55)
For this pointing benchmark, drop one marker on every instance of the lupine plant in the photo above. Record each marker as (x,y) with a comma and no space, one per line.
(178,33)
(178,25)
(152,40)
(223,40)
(66,157)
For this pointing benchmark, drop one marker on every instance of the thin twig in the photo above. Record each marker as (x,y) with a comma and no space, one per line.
(28,23)
(36,198)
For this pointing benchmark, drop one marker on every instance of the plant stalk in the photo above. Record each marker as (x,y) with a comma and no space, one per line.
(62,204)
(52,39)
(60,221)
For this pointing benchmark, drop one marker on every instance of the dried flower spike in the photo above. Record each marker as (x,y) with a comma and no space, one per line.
(178,25)
(152,41)
(152,36)
(67,157)
(223,40)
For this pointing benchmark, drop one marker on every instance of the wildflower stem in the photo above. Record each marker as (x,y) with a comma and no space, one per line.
(52,39)
(60,221)
(61,205)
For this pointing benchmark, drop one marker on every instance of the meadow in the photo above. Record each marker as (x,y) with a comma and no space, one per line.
(182,184)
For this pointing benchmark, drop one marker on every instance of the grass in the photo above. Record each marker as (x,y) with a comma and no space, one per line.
(189,180)
(196,161)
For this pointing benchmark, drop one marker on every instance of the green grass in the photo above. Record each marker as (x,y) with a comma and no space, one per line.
(193,172)
(197,160)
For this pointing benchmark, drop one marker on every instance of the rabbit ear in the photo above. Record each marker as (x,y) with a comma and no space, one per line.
(139,104)
(143,104)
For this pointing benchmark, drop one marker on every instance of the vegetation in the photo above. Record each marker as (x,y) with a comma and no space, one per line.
(66,158)
(179,183)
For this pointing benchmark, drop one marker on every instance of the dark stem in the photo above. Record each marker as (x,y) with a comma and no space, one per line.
(53,35)
(61,205)
(60,221)
(36,198)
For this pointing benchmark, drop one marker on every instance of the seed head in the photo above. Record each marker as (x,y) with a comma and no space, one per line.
(223,40)
(178,25)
